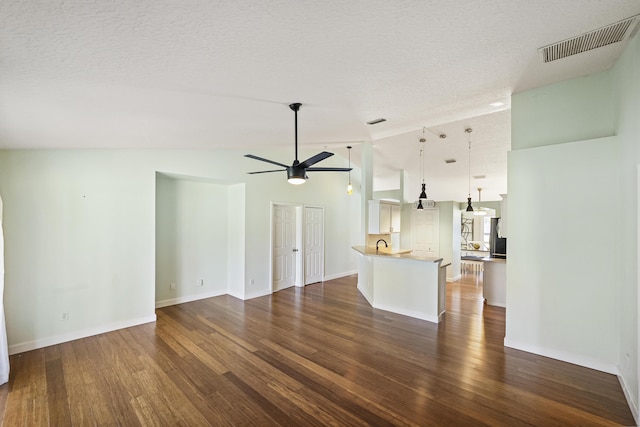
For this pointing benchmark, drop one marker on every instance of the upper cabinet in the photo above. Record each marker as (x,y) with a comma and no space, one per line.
(384,217)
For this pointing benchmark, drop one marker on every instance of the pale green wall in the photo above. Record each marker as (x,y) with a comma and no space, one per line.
(191,239)
(562,252)
(571,110)
(80,232)
(626,84)
(559,302)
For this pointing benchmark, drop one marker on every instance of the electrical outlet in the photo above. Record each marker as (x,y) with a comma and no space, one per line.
(172,287)
(200,283)
(65,315)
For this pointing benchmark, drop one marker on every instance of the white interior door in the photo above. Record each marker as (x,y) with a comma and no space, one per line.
(284,246)
(425,227)
(313,245)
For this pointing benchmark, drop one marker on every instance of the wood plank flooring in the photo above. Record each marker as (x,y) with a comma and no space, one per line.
(316,356)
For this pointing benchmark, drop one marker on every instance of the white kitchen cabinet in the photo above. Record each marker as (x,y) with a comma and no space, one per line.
(425,232)
(384,217)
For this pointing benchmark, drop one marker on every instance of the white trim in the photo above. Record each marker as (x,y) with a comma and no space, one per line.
(299,274)
(340,275)
(573,358)
(410,313)
(239,296)
(258,295)
(364,294)
(628,396)
(187,298)
(71,336)
(454,278)
(496,304)
(304,242)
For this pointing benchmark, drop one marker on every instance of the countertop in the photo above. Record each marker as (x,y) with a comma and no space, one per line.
(371,251)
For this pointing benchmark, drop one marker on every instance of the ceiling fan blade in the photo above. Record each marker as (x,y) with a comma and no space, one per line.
(262,159)
(315,159)
(275,170)
(329,169)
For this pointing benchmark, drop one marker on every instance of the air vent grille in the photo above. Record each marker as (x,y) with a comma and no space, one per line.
(604,36)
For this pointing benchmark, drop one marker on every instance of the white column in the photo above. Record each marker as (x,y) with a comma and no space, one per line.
(4,345)
(366,186)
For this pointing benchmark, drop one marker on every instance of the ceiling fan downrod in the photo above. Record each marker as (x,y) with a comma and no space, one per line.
(295,107)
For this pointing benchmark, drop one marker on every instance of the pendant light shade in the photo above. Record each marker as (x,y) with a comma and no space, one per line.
(469,207)
(423,194)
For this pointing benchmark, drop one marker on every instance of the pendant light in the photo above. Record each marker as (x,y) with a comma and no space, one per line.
(349,186)
(423,192)
(469,207)
(479,211)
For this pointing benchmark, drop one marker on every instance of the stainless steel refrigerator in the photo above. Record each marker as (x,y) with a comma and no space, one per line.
(497,243)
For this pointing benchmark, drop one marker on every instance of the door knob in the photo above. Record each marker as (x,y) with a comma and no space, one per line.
(295,250)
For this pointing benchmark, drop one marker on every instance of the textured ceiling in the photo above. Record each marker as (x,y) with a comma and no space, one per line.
(219,74)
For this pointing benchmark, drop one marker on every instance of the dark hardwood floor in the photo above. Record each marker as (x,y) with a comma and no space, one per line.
(314,356)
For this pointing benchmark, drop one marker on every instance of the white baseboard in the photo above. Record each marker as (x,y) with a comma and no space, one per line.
(257,294)
(187,298)
(239,296)
(71,336)
(339,275)
(632,404)
(410,313)
(454,278)
(573,358)
(497,304)
(365,295)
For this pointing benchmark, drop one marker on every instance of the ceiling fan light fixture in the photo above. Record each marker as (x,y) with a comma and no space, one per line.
(296,175)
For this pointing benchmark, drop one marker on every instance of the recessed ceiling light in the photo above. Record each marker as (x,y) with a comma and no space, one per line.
(497,104)
(376,121)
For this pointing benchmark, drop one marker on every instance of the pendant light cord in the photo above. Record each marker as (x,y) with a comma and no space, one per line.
(422,163)
(469,168)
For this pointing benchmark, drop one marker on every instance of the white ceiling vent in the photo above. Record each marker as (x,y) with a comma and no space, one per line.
(613,33)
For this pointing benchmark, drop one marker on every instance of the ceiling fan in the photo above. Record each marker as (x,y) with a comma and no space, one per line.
(297,172)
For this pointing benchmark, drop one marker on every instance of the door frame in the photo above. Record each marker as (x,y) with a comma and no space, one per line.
(299,276)
(304,240)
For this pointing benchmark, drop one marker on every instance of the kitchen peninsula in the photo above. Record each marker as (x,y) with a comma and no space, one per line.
(402,283)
